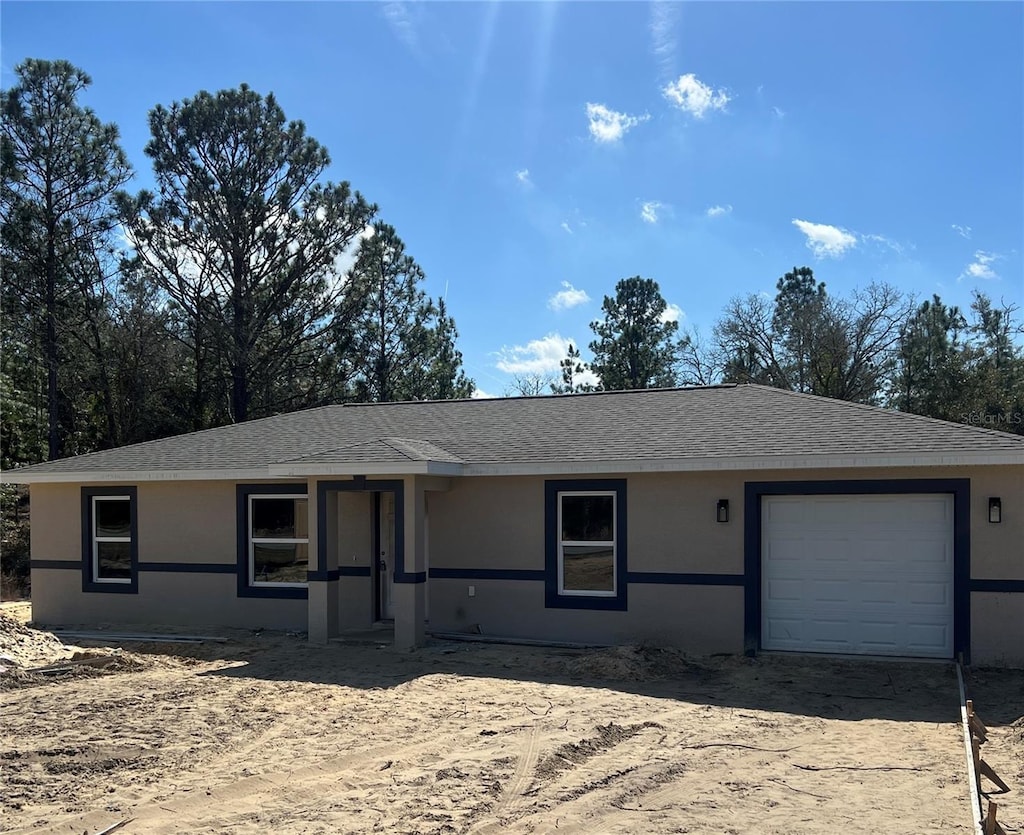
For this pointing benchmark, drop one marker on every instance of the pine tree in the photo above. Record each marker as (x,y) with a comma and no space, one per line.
(243,236)
(398,345)
(61,167)
(636,346)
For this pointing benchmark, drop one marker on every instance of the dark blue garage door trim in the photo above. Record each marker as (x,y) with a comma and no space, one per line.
(960,488)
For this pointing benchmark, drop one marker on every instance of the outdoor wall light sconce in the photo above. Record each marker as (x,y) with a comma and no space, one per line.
(995,510)
(722,511)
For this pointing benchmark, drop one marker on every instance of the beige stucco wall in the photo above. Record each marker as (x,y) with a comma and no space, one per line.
(499,523)
(997,629)
(184,522)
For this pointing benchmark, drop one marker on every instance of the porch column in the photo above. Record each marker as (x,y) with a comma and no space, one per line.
(323,593)
(410,600)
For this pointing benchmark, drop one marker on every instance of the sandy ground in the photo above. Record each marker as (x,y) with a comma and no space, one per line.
(269,734)
(999,700)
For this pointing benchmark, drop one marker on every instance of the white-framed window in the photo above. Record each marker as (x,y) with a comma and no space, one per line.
(586,543)
(278,540)
(111,539)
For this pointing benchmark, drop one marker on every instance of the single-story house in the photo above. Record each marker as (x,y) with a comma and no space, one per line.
(727,518)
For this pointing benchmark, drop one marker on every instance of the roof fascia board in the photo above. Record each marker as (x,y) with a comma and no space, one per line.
(299,470)
(131,476)
(761,462)
(448,469)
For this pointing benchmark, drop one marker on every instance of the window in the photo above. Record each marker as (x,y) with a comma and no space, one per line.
(585,548)
(273,540)
(278,540)
(109,539)
(586,543)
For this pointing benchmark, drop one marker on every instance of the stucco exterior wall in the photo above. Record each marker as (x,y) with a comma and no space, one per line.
(498,523)
(178,522)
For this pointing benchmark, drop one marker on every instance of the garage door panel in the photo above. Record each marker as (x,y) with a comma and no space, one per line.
(928,639)
(928,594)
(828,591)
(858,574)
(785,590)
(879,591)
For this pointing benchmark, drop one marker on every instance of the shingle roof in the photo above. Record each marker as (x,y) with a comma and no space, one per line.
(715,423)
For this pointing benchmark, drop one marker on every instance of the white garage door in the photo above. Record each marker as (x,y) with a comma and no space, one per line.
(858,574)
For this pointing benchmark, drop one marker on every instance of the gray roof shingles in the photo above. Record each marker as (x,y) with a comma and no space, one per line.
(726,421)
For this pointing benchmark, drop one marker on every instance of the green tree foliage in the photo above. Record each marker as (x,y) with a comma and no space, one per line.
(61,167)
(398,344)
(244,238)
(636,347)
(931,369)
(968,370)
(574,374)
(807,341)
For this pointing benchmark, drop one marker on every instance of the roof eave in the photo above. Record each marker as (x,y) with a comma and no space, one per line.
(298,470)
(130,476)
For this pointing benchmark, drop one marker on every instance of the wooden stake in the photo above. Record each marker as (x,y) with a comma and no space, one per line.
(976,750)
(977,727)
(986,769)
(991,827)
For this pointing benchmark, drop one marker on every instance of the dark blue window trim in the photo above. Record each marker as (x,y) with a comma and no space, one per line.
(89,583)
(242,493)
(960,488)
(554,600)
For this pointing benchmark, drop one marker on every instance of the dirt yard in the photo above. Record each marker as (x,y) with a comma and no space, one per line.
(266,733)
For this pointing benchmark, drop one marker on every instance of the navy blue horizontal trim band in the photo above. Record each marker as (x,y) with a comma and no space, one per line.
(189,567)
(486,574)
(998,585)
(333,574)
(353,571)
(68,564)
(275,593)
(411,577)
(663,578)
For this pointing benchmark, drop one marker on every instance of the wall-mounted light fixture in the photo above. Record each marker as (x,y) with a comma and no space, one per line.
(722,510)
(995,510)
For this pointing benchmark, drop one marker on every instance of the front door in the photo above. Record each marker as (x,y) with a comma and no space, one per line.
(386,555)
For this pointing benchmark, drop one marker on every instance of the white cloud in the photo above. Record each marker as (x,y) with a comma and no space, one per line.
(962,231)
(568,297)
(565,225)
(523,177)
(649,211)
(826,241)
(607,125)
(718,211)
(981,267)
(539,356)
(664,19)
(672,313)
(693,96)
(895,246)
(401,19)
(480,394)
(778,113)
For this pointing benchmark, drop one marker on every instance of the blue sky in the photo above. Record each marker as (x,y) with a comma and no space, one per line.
(533,154)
